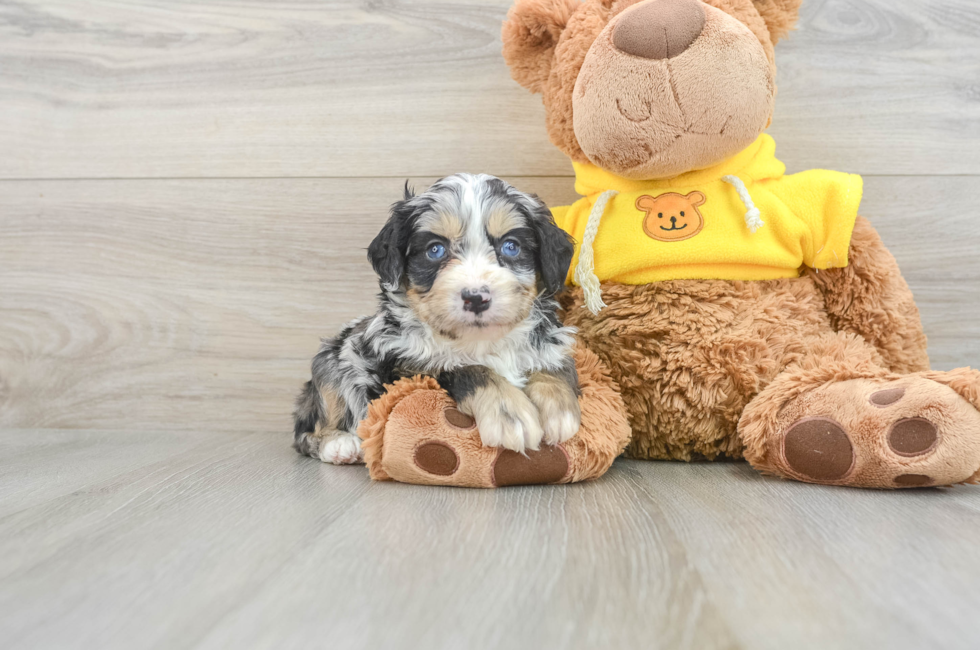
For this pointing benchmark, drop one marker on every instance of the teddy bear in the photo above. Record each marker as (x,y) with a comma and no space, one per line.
(741,311)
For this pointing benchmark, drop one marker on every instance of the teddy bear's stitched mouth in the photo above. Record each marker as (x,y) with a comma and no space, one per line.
(681,130)
(644,112)
(635,162)
(637,120)
(673,227)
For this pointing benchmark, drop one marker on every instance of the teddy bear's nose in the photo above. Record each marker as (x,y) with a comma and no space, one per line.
(659,29)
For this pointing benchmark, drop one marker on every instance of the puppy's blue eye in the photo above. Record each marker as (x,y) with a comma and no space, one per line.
(436,252)
(511,248)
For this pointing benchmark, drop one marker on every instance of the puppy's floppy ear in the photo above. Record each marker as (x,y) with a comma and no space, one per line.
(387,252)
(555,247)
(780,16)
(530,34)
(386,256)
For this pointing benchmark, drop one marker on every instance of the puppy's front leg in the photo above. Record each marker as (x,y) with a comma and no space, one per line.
(555,394)
(503,413)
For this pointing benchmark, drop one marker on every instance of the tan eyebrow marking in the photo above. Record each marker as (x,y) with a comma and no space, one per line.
(502,221)
(443,223)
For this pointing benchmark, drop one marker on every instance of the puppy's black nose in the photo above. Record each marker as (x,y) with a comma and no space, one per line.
(476,300)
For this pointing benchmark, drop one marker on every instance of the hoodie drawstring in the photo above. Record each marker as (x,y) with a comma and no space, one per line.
(585,276)
(753,218)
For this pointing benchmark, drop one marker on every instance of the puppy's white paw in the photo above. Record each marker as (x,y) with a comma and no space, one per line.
(560,424)
(342,449)
(506,418)
(557,405)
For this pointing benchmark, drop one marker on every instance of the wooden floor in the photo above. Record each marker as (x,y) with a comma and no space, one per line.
(137,539)
(186,193)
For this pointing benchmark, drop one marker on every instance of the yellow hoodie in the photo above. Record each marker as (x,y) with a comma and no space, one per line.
(740,220)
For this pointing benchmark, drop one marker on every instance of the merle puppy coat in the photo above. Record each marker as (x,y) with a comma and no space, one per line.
(468,272)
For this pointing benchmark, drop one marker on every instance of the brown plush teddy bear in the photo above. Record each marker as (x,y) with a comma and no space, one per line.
(742,312)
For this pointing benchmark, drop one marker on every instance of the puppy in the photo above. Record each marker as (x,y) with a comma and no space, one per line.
(468,274)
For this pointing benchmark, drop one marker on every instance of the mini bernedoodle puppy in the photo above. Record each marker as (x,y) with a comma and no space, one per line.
(469,271)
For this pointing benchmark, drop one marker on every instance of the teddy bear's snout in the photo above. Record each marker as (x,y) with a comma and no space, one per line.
(659,29)
(719,98)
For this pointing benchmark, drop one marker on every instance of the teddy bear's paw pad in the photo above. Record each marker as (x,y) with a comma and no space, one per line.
(546,465)
(887,397)
(913,437)
(458,419)
(436,458)
(913,480)
(819,449)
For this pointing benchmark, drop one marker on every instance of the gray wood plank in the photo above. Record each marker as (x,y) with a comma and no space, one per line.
(859,563)
(228,89)
(241,543)
(36,468)
(942,270)
(879,87)
(161,549)
(198,304)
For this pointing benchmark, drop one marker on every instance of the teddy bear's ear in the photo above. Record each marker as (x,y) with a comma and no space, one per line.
(780,16)
(530,34)
(645,203)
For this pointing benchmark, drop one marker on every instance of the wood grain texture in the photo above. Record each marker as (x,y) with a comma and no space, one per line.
(190,303)
(229,89)
(198,304)
(160,328)
(233,540)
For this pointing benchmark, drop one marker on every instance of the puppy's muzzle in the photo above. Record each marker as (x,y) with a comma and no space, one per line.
(476,300)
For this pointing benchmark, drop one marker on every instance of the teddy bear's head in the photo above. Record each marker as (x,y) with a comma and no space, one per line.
(649,89)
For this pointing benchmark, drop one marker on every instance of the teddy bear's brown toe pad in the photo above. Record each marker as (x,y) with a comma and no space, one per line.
(436,458)
(547,465)
(887,397)
(819,448)
(913,437)
(913,480)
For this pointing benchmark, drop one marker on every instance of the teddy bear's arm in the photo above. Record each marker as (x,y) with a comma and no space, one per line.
(871,298)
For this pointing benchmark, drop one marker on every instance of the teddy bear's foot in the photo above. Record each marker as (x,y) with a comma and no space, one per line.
(415,433)
(430,441)
(893,432)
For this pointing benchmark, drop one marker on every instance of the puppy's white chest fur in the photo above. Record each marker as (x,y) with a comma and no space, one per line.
(513,356)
